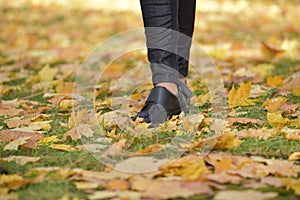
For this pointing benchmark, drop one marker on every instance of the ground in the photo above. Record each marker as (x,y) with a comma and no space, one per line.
(52,149)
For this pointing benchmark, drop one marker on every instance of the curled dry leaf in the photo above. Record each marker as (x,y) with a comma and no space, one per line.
(294,156)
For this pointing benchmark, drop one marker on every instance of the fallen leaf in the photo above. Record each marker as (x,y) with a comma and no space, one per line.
(272,181)
(10,112)
(224,178)
(276,120)
(275,81)
(189,167)
(203,99)
(240,97)
(16,122)
(116,148)
(231,121)
(13,181)
(47,140)
(111,194)
(47,73)
(273,105)
(117,184)
(14,145)
(140,183)
(72,133)
(270,50)
(246,194)
(176,189)
(64,88)
(76,118)
(292,184)
(226,141)
(13,134)
(294,156)
(85,130)
(140,164)
(22,160)
(296,91)
(86,185)
(62,147)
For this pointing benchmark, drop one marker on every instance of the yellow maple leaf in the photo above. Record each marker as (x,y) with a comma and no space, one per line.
(296,91)
(227,141)
(240,97)
(204,98)
(64,87)
(292,184)
(189,167)
(274,81)
(47,74)
(275,119)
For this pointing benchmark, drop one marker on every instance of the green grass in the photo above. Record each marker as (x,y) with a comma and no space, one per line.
(272,147)
(49,190)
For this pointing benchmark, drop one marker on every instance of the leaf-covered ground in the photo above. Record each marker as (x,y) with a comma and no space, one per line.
(48,151)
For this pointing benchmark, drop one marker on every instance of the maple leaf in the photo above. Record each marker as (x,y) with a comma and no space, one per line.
(226,141)
(296,91)
(64,88)
(190,167)
(47,74)
(275,81)
(276,120)
(240,97)
(273,105)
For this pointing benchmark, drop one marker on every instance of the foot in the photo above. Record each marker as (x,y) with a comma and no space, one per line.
(165,100)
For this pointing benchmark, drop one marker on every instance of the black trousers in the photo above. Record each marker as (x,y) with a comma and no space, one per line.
(170,36)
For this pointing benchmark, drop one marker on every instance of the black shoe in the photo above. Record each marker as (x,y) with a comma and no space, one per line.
(161,104)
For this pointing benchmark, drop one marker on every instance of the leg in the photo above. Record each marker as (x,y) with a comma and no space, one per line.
(162,14)
(186,19)
(162,42)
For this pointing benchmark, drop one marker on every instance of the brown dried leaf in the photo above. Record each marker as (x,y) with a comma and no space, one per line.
(21,160)
(176,189)
(246,194)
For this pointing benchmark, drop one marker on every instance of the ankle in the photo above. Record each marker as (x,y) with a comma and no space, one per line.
(183,80)
(171,87)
